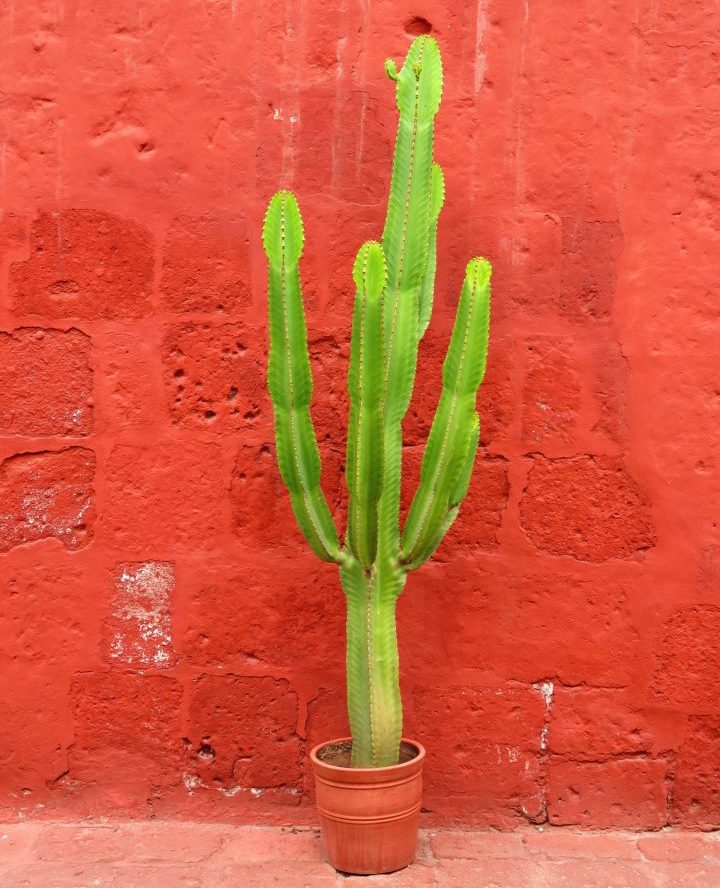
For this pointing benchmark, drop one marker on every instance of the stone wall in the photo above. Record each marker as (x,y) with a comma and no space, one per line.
(169,645)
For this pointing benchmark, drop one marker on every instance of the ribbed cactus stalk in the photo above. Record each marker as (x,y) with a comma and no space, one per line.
(395,283)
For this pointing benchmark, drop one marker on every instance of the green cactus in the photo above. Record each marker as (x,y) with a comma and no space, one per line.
(395,283)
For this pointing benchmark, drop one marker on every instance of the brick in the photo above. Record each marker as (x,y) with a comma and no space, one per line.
(242,731)
(588,276)
(127,730)
(536,262)
(206,265)
(687,674)
(594,723)
(45,610)
(481,513)
(12,232)
(558,873)
(138,631)
(618,874)
(45,383)
(285,874)
(515,625)
(47,617)
(476,845)
(586,507)
(569,163)
(264,845)
(59,875)
(299,620)
(496,399)
(611,372)
(130,394)
(82,845)
(36,728)
(679,848)
(622,793)
(492,736)
(160,875)
(559,843)
(551,393)
(149,843)
(212,376)
(171,493)
(352,166)
(261,509)
(47,494)
(683,875)
(696,787)
(490,873)
(84,264)
(16,842)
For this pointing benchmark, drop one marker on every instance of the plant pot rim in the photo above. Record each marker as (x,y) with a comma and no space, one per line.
(413,762)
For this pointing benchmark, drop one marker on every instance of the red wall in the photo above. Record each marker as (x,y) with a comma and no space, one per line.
(169,646)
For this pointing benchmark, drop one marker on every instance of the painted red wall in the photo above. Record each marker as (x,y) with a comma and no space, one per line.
(169,646)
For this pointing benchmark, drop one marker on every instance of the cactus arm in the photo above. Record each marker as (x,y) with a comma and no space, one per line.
(463,482)
(290,379)
(427,286)
(407,223)
(364,446)
(405,244)
(445,473)
(418,92)
(456,498)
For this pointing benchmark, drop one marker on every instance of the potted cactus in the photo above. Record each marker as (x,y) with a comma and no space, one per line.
(369,786)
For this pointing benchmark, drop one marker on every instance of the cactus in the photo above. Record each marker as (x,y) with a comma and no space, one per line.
(394,282)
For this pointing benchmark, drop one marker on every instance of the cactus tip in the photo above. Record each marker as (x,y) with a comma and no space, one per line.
(480,270)
(369,270)
(391,69)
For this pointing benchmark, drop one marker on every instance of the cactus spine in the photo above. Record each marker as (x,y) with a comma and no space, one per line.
(394,283)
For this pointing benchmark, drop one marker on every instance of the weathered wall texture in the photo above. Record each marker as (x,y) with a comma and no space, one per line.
(169,646)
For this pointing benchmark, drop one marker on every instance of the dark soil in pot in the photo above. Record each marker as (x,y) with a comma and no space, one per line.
(338,754)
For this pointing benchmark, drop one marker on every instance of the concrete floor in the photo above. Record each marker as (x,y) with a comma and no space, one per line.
(195,855)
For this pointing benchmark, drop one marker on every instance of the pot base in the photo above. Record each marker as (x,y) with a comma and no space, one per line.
(369,816)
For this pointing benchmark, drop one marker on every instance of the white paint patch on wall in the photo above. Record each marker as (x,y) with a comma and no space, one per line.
(546,689)
(139,627)
(42,517)
(193,782)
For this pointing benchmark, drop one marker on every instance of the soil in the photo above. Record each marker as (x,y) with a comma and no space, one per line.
(338,754)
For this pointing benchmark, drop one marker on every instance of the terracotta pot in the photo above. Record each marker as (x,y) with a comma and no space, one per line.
(369,816)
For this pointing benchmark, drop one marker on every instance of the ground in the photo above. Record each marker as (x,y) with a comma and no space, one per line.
(197,855)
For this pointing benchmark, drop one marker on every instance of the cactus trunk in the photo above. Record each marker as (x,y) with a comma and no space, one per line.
(373,679)
(394,282)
